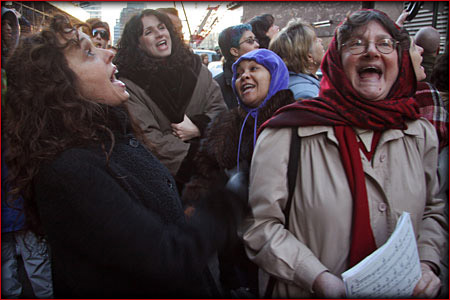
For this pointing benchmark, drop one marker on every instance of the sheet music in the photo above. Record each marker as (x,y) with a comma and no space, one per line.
(392,271)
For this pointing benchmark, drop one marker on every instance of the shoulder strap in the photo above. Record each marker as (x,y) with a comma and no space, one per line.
(294,154)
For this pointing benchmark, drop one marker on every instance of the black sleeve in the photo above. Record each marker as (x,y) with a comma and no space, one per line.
(84,209)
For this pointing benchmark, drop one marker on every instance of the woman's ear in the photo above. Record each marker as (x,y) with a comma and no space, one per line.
(234,51)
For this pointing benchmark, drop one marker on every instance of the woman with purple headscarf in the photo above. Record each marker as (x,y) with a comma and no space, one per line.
(260,83)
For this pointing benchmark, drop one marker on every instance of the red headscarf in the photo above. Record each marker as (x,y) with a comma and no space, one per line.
(339,105)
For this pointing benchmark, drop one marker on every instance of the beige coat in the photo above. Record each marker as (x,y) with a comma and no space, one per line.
(207,99)
(400,177)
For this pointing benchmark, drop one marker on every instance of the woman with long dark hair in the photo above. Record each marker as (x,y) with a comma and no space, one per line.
(109,209)
(172,96)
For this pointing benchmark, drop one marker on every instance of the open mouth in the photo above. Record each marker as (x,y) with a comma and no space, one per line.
(370,72)
(113,75)
(161,43)
(113,78)
(246,87)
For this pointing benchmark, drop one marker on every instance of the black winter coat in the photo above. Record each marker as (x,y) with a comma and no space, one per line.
(120,231)
(224,80)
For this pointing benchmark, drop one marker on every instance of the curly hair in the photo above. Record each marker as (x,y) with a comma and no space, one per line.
(45,112)
(260,26)
(131,58)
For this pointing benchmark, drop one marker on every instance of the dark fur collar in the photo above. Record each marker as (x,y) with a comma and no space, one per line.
(222,137)
(170,88)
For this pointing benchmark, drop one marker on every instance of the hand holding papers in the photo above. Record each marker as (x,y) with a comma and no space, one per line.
(392,271)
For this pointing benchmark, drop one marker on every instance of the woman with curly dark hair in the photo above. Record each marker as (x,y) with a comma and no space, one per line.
(109,208)
(172,96)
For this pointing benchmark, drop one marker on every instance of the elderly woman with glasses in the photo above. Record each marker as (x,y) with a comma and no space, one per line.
(234,42)
(365,156)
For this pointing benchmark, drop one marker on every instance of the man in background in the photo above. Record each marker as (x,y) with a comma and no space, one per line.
(429,39)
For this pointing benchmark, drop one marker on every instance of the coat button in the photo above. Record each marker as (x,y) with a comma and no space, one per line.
(383,157)
(382,207)
(133,143)
(169,183)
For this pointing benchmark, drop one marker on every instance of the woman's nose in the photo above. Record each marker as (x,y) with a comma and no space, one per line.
(108,55)
(372,49)
(158,32)
(245,74)
(420,49)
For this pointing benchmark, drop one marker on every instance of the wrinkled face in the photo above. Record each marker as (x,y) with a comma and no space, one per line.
(247,43)
(252,82)
(371,73)
(273,30)
(95,71)
(317,50)
(155,39)
(415,51)
(98,41)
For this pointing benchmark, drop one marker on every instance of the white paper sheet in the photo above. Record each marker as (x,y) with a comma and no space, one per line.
(392,271)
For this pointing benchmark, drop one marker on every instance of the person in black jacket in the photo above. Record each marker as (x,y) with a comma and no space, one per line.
(109,208)
(234,42)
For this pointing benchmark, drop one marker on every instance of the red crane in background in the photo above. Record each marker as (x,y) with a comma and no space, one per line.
(205,27)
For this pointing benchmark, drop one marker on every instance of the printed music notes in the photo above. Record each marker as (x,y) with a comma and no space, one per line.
(392,271)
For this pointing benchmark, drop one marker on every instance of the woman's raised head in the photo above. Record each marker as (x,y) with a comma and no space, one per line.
(299,47)
(61,90)
(237,40)
(264,29)
(257,76)
(147,40)
(63,59)
(151,33)
(415,51)
(371,46)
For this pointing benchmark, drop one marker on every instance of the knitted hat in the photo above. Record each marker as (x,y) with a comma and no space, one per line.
(279,73)
(279,80)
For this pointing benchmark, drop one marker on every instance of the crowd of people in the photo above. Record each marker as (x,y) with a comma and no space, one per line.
(132,172)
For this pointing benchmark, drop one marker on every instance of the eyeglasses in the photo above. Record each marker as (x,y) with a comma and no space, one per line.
(250,41)
(103,33)
(385,46)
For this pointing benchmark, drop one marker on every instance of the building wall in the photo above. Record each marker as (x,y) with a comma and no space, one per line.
(315,11)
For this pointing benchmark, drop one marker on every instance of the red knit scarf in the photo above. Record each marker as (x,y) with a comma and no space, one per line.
(340,106)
